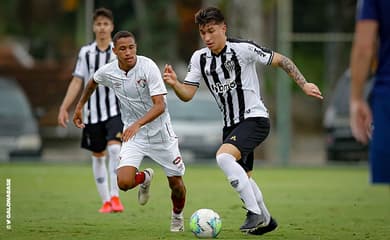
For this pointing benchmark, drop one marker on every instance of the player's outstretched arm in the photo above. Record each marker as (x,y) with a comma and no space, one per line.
(183,91)
(71,94)
(78,113)
(292,70)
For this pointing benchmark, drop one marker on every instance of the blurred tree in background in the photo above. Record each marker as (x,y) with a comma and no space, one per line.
(166,31)
(53,31)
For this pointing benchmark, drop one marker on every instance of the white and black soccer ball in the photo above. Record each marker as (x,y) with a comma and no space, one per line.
(205,223)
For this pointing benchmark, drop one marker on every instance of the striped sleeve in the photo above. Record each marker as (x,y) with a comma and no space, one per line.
(81,68)
(194,73)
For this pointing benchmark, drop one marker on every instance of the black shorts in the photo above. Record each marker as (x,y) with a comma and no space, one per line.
(246,136)
(95,136)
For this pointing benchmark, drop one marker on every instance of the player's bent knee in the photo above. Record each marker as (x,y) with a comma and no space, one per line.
(125,185)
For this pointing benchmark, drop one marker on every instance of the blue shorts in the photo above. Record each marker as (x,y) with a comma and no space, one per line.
(379,149)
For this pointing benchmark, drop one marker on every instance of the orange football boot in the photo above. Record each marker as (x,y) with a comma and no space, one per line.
(106,208)
(116,204)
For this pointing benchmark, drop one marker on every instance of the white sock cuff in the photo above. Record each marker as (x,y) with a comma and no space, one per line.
(234,172)
(113,149)
(222,157)
(177,214)
(98,159)
(100,175)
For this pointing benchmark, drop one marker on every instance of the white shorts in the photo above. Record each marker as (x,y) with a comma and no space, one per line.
(166,154)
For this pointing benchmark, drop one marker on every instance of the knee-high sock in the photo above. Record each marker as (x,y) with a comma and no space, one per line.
(238,180)
(100,173)
(260,200)
(113,156)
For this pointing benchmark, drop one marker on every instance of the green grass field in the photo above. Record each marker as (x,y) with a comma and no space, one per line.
(60,202)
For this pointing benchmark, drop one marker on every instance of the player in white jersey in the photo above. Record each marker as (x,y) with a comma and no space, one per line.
(138,84)
(102,116)
(227,67)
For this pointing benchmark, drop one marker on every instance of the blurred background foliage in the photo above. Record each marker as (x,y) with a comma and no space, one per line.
(165,29)
(40,39)
(53,31)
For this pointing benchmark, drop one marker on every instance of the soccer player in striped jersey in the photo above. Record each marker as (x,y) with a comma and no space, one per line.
(102,118)
(227,66)
(138,84)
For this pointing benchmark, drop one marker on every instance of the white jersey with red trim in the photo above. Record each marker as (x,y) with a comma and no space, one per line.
(134,90)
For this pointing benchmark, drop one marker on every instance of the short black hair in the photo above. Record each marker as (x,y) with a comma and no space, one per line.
(209,15)
(103,12)
(122,34)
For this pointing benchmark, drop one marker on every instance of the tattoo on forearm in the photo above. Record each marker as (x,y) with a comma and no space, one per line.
(292,70)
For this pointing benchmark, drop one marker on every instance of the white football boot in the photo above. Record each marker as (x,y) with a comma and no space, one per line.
(177,222)
(143,191)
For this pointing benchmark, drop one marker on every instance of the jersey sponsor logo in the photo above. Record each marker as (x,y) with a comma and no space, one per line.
(189,67)
(233,138)
(142,82)
(117,85)
(222,88)
(258,51)
(177,160)
(118,135)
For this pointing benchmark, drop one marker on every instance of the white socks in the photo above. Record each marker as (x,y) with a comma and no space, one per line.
(260,201)
(113,154)
(100,173)
(239,180)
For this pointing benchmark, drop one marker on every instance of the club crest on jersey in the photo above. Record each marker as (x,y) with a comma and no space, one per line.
(229,65)
(142,82)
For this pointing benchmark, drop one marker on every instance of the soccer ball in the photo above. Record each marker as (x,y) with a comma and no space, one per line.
(205,223)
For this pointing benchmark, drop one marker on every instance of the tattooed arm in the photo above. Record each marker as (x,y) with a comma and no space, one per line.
(292,70)
(78,113)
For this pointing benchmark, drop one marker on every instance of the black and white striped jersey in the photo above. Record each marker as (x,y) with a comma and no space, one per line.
(232,79)
(102,104)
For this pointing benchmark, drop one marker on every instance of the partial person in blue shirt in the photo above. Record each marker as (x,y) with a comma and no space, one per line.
(369,121)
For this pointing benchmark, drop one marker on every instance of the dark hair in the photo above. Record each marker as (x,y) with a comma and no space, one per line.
(122,34)
(103,12)
(209,15)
